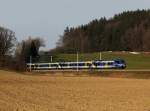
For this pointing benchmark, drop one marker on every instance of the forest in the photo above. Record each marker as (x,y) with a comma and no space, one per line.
(127,31)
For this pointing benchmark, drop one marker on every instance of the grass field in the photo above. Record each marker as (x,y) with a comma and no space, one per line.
(134,61)
(54,92)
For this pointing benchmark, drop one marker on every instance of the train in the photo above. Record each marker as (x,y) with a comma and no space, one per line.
(95,64)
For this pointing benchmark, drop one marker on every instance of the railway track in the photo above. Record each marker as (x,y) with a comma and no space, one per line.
(104,70)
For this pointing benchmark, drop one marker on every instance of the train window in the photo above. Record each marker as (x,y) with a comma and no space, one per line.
(73,64)
(44,65)
(110,63)
(81,64)
(63,64)
(54,65)
(100,64)
(32,66)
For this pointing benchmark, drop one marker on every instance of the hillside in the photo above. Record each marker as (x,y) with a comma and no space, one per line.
(129,31)
(134,61)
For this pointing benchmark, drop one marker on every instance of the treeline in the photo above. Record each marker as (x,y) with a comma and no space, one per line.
(127,31)
(14,55)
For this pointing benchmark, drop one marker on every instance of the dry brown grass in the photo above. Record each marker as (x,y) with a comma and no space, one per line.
(57,93)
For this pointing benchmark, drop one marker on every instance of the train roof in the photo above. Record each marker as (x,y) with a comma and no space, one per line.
(118,59)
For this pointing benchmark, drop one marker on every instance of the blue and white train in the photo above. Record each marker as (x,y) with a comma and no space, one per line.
(98,64)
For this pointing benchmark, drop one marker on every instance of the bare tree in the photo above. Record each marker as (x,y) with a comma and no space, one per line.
(7,43)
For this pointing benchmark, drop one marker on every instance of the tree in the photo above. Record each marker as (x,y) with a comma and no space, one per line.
(27,48)
(7,43)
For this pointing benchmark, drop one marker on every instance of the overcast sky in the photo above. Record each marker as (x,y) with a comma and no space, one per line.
(49,18)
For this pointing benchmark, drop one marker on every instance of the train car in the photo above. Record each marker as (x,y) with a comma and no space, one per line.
(113,64)
(104,64)
(80,65)
(98,64)
(43,66)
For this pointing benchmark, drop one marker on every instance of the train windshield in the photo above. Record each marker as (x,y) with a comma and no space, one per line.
(120,61)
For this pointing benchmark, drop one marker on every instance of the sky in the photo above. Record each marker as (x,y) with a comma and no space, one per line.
(48,18)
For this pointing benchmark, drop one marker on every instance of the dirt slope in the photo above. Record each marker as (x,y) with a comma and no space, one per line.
(56,93)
